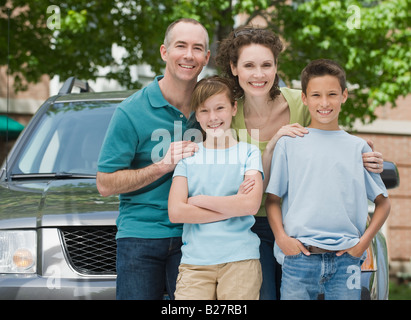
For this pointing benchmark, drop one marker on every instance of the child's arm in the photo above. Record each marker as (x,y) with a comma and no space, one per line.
(246,186)
(288,245)
(180,211)
(382,209)
(241,204)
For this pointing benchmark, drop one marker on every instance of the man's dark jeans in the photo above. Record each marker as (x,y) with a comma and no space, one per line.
(147,267)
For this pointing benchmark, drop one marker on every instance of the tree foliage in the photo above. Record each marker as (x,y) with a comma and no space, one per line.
(370,39)
(76,39)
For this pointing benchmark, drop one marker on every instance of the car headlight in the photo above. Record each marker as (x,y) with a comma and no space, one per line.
(18,251)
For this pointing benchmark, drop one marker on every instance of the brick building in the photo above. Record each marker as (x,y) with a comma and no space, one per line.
(391,134)
(21,106)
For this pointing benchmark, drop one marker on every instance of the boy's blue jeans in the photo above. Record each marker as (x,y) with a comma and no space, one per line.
(145,267)
(305,277)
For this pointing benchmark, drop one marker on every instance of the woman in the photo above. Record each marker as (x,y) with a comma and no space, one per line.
(265,113)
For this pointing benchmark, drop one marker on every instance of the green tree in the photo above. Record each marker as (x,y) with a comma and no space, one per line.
(74,38)
(370,38)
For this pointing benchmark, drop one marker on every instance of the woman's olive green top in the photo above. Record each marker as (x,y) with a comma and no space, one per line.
(298,114)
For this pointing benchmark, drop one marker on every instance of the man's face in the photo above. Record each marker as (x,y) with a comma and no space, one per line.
(186,54)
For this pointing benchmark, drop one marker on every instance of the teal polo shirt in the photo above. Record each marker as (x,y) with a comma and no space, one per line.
(139,134)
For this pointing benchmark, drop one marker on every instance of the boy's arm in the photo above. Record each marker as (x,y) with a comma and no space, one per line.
(241,204)
(180,211)
(382,209)
(288,245)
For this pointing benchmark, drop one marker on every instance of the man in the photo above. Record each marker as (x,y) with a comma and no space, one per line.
(148,244)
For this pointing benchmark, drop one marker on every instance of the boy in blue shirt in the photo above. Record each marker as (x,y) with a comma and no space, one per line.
(317,204)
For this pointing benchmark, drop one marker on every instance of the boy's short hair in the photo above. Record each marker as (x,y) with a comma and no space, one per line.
(322,67)
(209,87)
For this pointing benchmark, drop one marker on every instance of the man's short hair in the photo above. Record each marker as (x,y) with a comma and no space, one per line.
(187,20)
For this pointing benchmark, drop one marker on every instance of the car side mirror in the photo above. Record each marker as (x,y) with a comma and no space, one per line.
(390,175)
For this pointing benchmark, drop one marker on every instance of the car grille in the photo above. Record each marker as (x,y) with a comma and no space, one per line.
(91,250)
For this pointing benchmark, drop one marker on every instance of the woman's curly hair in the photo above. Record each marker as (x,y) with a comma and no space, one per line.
(229,51)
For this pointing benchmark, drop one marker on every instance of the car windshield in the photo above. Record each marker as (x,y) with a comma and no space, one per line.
(67,139)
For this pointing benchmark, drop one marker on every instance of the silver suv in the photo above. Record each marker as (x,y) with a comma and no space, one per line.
(57,234)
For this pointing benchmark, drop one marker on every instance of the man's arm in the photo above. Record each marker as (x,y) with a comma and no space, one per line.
(128,180)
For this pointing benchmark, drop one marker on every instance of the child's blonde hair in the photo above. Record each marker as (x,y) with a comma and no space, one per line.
(209,87)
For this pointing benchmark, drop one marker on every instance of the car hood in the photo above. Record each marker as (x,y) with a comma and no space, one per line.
(48,203)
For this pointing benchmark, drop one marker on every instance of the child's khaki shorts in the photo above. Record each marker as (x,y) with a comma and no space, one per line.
(239,280)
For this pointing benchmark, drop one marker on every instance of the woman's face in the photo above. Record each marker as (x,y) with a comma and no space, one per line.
(256,70)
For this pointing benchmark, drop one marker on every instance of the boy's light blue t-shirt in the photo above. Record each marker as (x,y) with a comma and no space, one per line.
(324,188)
(219,172)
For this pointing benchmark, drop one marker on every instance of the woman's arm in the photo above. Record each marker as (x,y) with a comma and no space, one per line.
(373,161)
(292,130)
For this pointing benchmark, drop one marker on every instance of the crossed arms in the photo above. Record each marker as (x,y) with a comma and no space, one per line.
(205,209)
(199,209)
